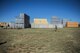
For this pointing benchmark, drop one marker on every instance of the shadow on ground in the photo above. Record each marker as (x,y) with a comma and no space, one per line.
(3,41)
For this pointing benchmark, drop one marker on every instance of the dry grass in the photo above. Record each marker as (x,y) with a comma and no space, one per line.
(64,40)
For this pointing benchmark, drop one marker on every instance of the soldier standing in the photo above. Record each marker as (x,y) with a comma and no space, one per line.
(55,27)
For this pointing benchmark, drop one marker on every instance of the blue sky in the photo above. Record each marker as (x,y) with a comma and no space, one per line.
(64,9)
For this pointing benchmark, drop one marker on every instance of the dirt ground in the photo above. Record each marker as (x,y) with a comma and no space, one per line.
(66,40)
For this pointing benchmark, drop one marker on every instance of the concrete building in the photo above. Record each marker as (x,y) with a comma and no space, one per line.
(22,21)
(2,24)
(12,25)
(40,23)
(72,24)
(43,23)
(55,21)
(64,21)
